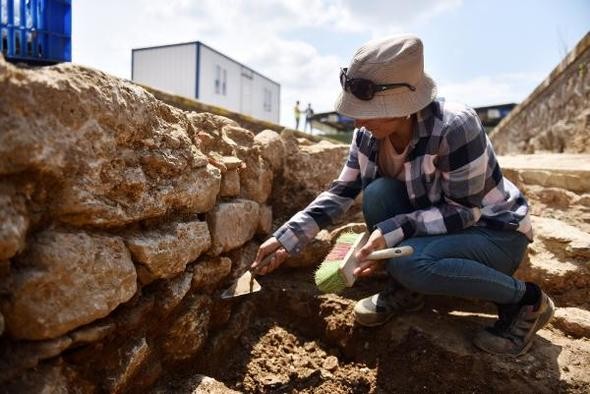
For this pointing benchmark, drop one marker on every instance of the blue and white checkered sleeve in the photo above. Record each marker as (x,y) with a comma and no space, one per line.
(325,208)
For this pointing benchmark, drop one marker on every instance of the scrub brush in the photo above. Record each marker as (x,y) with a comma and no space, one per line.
(336,271)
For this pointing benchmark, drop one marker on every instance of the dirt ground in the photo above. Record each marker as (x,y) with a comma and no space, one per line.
(302,342)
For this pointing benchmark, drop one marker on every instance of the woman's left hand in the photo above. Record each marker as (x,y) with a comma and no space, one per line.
(366,267)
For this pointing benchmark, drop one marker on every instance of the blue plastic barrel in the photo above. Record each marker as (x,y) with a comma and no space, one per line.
(36,31)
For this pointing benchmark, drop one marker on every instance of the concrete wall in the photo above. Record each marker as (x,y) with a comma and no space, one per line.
(556,116)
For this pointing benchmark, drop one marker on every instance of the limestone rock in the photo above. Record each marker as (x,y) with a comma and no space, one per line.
(239,136)
(120,155)
(561,236)
(330,363)
(230,184)
(232,224)
(554,116)
(550,170)
(121,370)
(556,261)
(148,375)
(573,321)
(313,253)
(271,148)
(166,251)
(135,313)
(19,356)
(265,221)
(54,378)
(169,293)
(188,330)
(13,226)
(92,333)
(256,179)
(255,173)
(66,280)
(196,384)
(296,186)
(210,133)
(191,191)
(232,162)
(207,274)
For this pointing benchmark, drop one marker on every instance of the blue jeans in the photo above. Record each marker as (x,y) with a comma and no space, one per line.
(477,262)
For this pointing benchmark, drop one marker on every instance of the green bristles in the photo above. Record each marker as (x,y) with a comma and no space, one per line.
(328,278)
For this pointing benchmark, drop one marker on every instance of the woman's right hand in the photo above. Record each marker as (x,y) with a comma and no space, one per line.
(270,247)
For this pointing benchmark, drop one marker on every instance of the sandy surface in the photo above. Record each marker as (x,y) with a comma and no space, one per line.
(548,161)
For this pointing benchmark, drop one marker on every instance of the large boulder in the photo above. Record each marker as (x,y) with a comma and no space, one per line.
(169,293)
(111,151)
(232,224)
(308,171)
(16,357)
(188,330)
(195,384)
(14,223)
(272,148)
(207,274)
(65,280)
(124,364)
(55,378)
(167,250)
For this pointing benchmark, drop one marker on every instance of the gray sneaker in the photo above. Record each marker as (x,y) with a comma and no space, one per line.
(379,308)
(513,333)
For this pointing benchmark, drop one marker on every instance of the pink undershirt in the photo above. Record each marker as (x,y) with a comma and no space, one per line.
(391,163)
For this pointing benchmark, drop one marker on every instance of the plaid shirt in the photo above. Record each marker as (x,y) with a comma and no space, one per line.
(451,174)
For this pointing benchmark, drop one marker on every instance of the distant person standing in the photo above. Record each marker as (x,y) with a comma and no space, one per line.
(297,113)
(308,116)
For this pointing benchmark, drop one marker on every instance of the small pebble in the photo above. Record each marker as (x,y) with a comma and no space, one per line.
(330,363)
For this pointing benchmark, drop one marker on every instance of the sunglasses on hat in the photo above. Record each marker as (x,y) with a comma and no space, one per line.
(365,89)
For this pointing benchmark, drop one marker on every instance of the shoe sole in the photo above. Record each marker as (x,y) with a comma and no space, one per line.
(380,323)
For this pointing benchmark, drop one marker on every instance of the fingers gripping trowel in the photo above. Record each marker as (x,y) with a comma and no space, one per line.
(246,284)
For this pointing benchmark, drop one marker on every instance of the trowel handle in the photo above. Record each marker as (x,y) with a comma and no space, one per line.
(391,253)
(265,261)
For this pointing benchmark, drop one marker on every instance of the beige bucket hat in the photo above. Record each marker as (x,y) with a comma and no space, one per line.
(398,59)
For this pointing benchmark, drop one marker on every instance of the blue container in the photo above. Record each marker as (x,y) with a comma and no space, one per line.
(36,31)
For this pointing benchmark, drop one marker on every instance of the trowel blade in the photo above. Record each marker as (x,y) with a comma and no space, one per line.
(245,284)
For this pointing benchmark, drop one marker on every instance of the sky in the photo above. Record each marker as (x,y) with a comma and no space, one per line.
(480,52)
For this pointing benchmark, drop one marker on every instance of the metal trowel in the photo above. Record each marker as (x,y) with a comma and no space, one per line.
(246,284)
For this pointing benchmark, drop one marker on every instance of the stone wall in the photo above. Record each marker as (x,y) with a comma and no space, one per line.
(556,116)
(255,125)
(121,218)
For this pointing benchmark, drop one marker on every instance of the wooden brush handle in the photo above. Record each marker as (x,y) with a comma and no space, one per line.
(390,253)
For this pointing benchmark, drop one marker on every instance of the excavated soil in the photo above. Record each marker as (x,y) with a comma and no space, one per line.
(299,341)
(289,338)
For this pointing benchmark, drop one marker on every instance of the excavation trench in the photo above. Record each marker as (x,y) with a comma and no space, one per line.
(289,338)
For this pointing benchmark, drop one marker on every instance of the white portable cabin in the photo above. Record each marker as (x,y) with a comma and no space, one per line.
(197,71)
